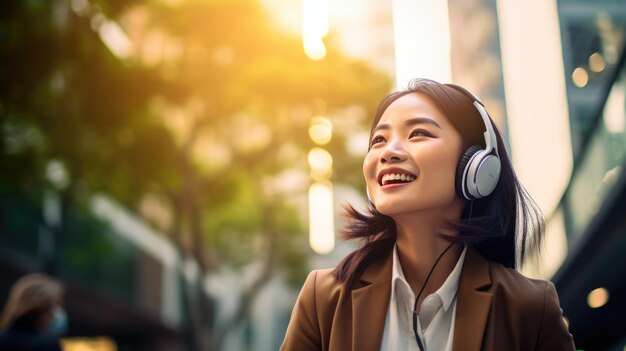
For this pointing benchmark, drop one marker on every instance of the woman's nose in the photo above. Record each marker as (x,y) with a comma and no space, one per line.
(394,152)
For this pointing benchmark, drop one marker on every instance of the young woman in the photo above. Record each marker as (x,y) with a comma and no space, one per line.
(447,225)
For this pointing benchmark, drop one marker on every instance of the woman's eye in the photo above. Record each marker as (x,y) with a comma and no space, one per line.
(377,139)
(419,133)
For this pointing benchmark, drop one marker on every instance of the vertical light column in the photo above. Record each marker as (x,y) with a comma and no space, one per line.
(321,223)
(422,40)
(321,212)
(314,28)
(536,103)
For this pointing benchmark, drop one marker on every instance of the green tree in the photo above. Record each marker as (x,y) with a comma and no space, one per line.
(213,104)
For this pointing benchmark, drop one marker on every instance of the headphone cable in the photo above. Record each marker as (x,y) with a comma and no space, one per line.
(419,340)
(420,343)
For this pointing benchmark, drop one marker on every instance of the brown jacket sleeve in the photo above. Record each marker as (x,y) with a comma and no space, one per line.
(303,332)
(554,334)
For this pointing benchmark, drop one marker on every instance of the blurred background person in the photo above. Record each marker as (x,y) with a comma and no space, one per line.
(33,317)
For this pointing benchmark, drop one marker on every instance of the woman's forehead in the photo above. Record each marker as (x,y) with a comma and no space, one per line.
(410,106)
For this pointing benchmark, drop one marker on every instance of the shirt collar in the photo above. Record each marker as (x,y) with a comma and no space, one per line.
(397,276)
(446,292)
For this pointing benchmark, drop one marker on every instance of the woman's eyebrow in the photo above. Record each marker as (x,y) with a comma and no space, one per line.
(420,120)
(410,122)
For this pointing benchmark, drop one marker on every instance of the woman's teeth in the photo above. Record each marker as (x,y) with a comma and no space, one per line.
(397,178)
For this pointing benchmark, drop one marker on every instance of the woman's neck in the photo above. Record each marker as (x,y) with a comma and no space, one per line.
(419,245)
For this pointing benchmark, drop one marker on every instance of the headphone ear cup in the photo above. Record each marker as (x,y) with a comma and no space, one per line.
(460,183)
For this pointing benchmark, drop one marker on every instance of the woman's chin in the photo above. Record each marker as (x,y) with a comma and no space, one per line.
(393,209)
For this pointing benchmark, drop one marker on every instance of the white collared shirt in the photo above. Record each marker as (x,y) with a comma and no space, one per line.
(435,323)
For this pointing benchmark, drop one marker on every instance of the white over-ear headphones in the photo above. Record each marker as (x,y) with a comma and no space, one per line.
(478,171)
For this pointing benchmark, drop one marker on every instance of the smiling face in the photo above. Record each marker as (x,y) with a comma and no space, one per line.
(411,164)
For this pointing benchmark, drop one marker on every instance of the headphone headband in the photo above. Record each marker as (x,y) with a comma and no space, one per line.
(491,142)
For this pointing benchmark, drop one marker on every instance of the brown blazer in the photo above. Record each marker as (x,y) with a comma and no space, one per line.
(497,309)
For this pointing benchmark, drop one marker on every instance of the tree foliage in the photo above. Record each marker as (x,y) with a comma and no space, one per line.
(195,130)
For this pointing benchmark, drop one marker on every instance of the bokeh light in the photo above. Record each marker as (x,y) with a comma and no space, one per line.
(321,163)
(314,28)
(321,130)
(580,77)
(598,298)
(596,62)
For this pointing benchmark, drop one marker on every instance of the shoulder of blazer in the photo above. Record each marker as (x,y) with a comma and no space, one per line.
(525,295)
(499,308)
(331,294)
(328,290)
(511,279)
(532,304)
(520,295)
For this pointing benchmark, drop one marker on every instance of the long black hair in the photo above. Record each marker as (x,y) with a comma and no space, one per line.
(504,227)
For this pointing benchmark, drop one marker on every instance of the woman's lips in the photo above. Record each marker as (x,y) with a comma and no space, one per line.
(395,175)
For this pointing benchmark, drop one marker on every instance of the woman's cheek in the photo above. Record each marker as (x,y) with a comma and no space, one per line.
(369,167)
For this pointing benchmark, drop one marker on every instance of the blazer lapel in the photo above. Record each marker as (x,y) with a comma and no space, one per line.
(473,303)
(369,306)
